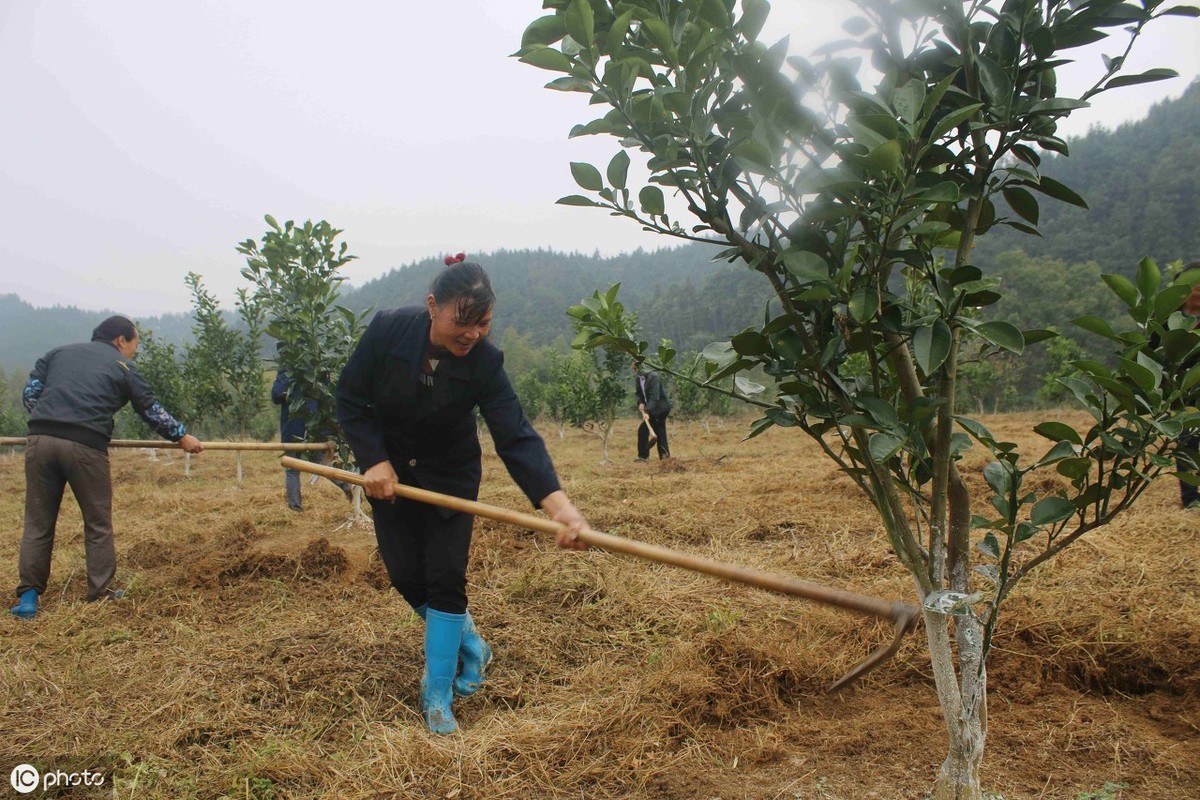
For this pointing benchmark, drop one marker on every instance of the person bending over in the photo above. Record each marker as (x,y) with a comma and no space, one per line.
(406,402)
(72,395)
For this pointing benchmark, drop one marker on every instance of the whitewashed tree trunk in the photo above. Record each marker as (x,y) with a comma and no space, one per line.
(962,694)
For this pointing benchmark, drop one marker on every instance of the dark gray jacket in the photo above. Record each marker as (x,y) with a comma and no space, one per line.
(654,398)
(430,436)
(74,391)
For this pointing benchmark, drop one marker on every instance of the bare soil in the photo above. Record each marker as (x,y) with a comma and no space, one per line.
(261,654)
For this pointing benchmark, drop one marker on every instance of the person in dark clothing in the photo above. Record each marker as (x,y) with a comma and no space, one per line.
(294,429)
(654,406)
(1189,495)
(72,395)
(406,402)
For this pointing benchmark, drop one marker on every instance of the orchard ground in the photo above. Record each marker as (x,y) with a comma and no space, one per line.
(260,653)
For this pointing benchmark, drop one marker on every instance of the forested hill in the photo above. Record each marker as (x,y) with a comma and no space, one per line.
(28,332)
(1142,183)
(677,292)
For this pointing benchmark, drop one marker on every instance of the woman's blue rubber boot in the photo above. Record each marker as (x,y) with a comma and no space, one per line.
(443,635)
(476,655)
(26,607)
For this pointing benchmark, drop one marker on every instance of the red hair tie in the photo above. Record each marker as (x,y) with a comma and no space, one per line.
(455,259)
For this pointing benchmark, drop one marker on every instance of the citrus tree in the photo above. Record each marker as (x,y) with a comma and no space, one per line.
(294,272)
(206,358)
(223,366)
(860,207)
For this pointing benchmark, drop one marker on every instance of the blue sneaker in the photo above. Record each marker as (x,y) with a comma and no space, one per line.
(27,605)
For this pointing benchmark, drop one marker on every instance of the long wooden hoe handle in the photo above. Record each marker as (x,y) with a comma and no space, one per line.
(902,615)
(163,444)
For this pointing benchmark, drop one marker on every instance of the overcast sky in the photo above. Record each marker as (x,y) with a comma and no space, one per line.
(144,139)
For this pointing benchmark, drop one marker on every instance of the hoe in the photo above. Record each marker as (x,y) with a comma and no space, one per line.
(902,616)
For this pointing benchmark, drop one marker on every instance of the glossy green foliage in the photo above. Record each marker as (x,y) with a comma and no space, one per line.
(294,272)
(860,207)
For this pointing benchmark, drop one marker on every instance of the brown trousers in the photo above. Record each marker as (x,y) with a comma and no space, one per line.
(50,465)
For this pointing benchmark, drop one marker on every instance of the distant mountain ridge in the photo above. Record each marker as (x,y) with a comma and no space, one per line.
(678,292)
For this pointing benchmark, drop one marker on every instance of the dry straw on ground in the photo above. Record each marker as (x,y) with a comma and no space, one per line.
(260,653)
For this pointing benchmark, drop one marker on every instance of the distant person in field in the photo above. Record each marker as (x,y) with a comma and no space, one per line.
(654,407)
(293,429)
(1189,495)
(72,395)
(406,402)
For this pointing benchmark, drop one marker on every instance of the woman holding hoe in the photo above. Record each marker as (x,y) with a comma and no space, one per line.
(406,402)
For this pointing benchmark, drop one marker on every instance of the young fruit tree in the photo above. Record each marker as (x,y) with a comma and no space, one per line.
(223,367)
(860,207)
(295,277)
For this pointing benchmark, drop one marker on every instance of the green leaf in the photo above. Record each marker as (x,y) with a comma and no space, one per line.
(996,84)
(586,176)
(944,192)
(1094,324)
(1049,510)
(953,120)
(758,426)
(1149,76)
(569,83)
(908,100)
(652,200)
(1022,202)
(750,343)
(1058,105)
(1061,450)
(1190,379)
(807,267)
(618,31)
(544,30)
(976,429)
(1059,191)
(547,58)
(1180,11)
(989,546)
(1140,375)
(754,16)
(999,476)
(1074,468)
(1058,431)
(884,158)
(931,345)
(1148,277)
(1123,288)
(580,21)
(576,200)
(884,445)
(618,170)
(748,387)
(1002,334)
(661,33)
(864,302)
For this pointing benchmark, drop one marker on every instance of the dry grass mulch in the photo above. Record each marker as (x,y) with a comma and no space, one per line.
(260,653)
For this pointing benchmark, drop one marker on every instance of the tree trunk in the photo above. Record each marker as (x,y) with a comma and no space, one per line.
(964,705)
